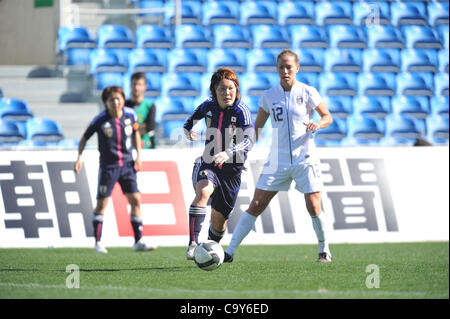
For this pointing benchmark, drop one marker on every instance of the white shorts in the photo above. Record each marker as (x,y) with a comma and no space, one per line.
(307,177)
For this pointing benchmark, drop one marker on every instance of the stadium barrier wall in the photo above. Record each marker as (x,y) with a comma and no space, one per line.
(371,195)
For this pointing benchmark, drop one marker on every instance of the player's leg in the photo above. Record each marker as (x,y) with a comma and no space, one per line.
(218,225)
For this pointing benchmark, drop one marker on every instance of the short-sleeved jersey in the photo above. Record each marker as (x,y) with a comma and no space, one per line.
(115,137)
(145,112)
(288,112)
(236,132)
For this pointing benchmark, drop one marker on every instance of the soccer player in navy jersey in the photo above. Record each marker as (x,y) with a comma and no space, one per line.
(118,132)
(217,173)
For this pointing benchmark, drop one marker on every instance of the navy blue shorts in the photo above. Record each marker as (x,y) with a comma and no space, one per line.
(108,177)
(226,186)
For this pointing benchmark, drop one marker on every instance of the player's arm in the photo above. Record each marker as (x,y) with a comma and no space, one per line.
(137,144)
(79,163)
(190,122)
(325,118)
(261,119)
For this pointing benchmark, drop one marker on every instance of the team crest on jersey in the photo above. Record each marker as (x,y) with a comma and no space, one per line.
(299,99)
(233,119)
(203,173)
(107,129)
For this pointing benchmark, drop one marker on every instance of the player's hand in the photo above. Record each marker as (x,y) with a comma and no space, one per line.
(137,165)
(220,158)
(311,126)
(78,165)
(191,136)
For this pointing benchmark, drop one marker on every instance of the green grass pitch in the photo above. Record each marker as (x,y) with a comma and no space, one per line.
(406,270)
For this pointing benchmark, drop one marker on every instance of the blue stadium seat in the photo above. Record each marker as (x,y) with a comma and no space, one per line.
(75,43)
(190,12)
(184,60)
(342,60)
(376,84)
(114,36)
(307,36)
(362,130)
(230,36)
(383,36)
(162,54)
(261,60)
(439,105)
(309,78)
(443,32)
(173,129)
(375,107)
(105,79)
(407,13)
(220,12)
(333,134)
(177,84)
(43,130)
(14,109)
(337,83)
(153,36)
(345,36)
(261,12)
(339,106)
(333,12)
(381,60)
(153,8)
(400,130)
(443,60)
(9,133)
(252,102)
(103,60)
(269,36)
(421,37)
(224,57)
(413,83)
(410,106)
(441,84)
(437,129)
(419,60)
(311,59)
(171,108)
(192,36)
(371,13)
(205,82)
(295,13)
(143,60)
(254,83)
(438,13)
(153,80)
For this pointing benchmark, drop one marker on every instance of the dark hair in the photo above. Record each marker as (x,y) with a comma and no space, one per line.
(108,91)
(137,76)
(288,52)
(219,75)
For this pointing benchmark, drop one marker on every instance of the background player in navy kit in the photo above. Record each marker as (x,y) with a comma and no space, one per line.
(118,131)
(217,174)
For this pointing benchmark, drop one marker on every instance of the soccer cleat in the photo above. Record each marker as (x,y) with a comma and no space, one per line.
(142,246)
(228,258)
(190,251)
(99,248)
(324,258)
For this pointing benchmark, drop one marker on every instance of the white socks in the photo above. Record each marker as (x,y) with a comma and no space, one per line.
(242,229)
(318,226)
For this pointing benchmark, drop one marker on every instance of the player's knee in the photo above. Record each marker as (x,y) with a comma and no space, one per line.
(256,207)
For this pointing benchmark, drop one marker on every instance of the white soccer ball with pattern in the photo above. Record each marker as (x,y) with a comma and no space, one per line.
(208,255)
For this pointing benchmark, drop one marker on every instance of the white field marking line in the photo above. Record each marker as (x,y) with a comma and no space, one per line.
(319,292)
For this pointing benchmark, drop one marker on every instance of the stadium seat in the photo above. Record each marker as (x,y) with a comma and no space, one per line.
(43,130)
(419,60)
(154,5)
(408,13)
(192,36)
(421,37)
(375,107)
(376,84)
(261,60)
(261,12)
(153,36)
(412,83)
(439,105)
(105,79)
(339,106)
(307,36)
(309,78)
(371,13)
(171,108)
(337,83)
(437,129)
(223,57)
(173,129)
(230,36)
(142,60)
(334,12)
(14,109)
(400,130)
(269,36)
(252,103)
(438,13)
(443,32)
(345,36)
(410,106)
(342,60)
(220,12)
(443,60)
(190,12)
(9,133)
(254,83)
(205,81)
(75,43)
(177,84)
(333,134)
(184,60)
(383,36)
(103,60)
(295,13)
(362,130)
(114,36)
(311,59)
(381,60)
(153,84)
(441,86)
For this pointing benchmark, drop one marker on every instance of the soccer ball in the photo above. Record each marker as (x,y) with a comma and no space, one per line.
(208,255)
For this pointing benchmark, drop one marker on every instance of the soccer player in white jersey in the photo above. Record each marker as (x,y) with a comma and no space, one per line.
(290,105)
